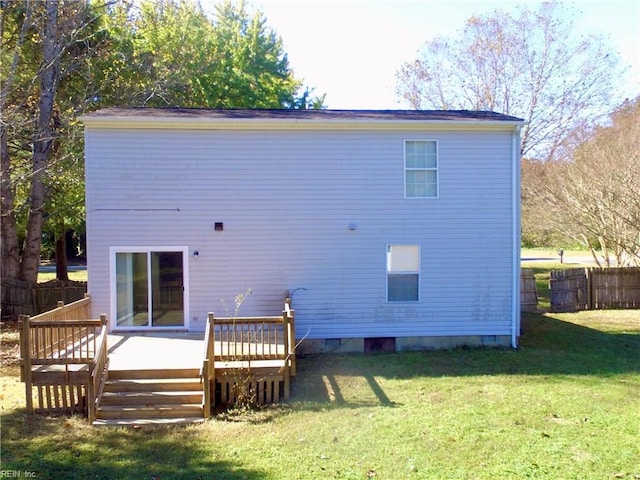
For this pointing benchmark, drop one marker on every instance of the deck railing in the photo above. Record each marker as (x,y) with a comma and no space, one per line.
(238,347)
(64,357)
(98,371)
(75,310)
(207,372)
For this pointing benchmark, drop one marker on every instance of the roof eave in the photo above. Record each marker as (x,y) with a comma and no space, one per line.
(117,121)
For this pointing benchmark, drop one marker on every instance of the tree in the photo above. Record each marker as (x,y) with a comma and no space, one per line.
(530,64)
(62,58)
(539,219)
(169,53)
(42,23)
(159,50)
(596,195)
(45,48)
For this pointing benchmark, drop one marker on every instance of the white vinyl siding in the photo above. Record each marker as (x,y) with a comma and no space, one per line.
(313,210)
(421,168)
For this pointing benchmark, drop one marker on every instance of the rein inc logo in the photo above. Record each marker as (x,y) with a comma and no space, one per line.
(17,474)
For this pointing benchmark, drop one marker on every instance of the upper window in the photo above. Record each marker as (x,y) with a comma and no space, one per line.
(420,169)
(403,273)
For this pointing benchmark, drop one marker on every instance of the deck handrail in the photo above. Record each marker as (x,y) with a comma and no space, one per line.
(58,342)
(65,356)
(98,369)
(243,340)
(94,322)
(250,338)
(248,320)
(78,309)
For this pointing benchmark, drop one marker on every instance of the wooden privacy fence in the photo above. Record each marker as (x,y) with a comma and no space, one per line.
(63,357)
(528,290)
(593,288)
(25,298)
(248,359)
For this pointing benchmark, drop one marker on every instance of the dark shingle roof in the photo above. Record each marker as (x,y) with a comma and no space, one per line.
(290,114)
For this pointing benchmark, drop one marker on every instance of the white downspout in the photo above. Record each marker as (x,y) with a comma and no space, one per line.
(515,227)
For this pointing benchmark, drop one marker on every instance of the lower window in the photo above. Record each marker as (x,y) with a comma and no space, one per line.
(403,273)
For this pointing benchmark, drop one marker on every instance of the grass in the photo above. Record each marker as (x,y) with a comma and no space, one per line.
(563,406)
(76,276)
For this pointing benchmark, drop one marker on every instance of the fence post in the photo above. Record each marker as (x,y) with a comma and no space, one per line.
(589,287)
(35,303)
(25,360)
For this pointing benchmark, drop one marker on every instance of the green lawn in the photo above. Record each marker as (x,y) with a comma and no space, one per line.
(564,406)
(79,276)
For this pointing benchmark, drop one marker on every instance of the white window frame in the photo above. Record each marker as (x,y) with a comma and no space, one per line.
(113,281)
(430,169)
(406,272)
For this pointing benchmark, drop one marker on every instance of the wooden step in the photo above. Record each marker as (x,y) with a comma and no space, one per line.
(153,385)
(128,398)
(140,422)
(149,397)
(149,412)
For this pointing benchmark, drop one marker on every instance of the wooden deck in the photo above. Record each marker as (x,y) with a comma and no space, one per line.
(164,351)
(152,377)
(155,351)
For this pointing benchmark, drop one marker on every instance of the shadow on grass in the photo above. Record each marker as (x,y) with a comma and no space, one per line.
(56,448)
(549,347)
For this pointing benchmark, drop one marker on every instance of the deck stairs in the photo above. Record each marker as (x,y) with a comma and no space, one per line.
(150,397)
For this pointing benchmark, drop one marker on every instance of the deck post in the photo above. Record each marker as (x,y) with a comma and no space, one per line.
(291,333)
(206,387)
(210,337)
(286,367)
(91,392)
(60,306)
(25,361)
(208,366)
(97,370)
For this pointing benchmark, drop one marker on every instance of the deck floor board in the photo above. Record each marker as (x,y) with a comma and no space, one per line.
(155,351)
(158,351)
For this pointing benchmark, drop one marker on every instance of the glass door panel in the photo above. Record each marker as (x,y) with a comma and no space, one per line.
(132,291)
(166,285)
(149,289)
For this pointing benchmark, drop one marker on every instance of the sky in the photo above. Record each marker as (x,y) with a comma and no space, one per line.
(351,49)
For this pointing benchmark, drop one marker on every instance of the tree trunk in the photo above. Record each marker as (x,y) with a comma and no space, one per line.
(43,140)
(61,257)
(10,251)
(9,243)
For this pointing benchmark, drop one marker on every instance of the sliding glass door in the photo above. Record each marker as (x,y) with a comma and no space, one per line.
(149,288)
